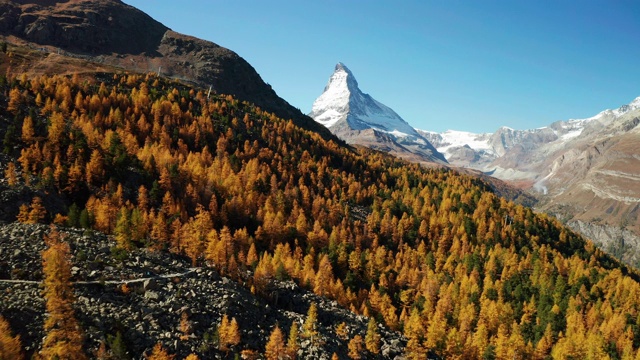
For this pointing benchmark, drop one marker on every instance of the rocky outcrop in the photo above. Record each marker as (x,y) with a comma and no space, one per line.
(159,289)
(616,240)
(99,27)
(584,171)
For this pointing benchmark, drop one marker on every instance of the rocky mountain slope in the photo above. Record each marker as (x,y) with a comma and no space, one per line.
(143,295)
(585,171)
(359,119)
(110,32)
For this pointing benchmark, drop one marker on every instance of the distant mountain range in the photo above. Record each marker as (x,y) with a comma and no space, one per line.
(584,171)
(359,119)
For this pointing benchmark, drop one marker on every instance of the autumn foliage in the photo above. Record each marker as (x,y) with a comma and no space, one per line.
(429,252)
(10,346)
(64,337)
(275,348)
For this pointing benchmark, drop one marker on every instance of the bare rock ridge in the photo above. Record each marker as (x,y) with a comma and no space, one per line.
(111,32)
(359,119)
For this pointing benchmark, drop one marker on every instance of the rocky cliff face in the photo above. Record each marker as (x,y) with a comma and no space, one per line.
(111,32)
(99,27)
(616,240)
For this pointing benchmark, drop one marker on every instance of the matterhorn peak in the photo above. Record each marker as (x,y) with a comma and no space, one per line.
(341,84)
(343,104)
(346,110)
(341,66)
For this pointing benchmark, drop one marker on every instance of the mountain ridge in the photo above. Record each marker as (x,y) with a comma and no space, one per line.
(113,33)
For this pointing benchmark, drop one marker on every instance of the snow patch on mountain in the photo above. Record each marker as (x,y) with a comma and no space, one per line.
(454,138)
(490,146)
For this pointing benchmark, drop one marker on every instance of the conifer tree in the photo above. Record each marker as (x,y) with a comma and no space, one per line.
(292,342)
(310,326)
(122,230)
(275,348)
(185,326)
(372,338)
(15,100)
(37,212)
(228,333)
(356,347)
(11,174)
(64,337)
(341,331)
(10,346)
(159,353)
(28,131)
(23,214)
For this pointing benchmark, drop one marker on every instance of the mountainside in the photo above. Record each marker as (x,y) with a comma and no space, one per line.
(141,217)
(359,119)
(145,296)
(167,201)
(585,171)
(113,33)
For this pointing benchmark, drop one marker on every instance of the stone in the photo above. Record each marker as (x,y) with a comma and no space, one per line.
(152,295)
(150,284)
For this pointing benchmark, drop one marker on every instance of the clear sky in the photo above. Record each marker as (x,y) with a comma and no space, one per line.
(463,65)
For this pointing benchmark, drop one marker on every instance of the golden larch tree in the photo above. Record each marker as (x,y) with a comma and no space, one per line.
(10,346)
(15,100)
(159,353)
(275,348)
(11,174)
(292,342)
(228,333)
(310,326)
(28,130)
(356,348)
(372,338)
(64,337)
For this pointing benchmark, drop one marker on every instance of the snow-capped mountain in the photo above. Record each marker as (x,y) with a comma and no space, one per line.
(585,171)
(359,119)
(503,150)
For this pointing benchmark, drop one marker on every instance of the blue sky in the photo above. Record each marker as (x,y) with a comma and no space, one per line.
(463,65)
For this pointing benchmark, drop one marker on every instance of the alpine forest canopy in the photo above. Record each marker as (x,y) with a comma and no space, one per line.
(427,252)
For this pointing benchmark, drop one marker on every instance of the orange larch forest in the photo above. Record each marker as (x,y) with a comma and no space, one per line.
(428,252)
